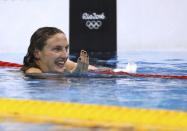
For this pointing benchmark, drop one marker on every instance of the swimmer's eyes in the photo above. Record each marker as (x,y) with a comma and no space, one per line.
(57,49)
(60,48)
(67,47)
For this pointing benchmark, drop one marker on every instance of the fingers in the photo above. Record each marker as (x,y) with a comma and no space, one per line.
(83,61)
(86,64)
(84,57)
(83,52)
(79,65)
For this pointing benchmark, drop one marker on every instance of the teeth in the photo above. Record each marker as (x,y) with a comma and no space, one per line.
(61,62)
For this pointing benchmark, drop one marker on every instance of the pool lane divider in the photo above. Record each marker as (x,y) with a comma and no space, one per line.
(9,64)
(120,73)
(92,116)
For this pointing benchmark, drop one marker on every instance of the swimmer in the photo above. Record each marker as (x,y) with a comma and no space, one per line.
(48,52)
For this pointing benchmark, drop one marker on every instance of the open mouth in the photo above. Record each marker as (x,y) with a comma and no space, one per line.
(60,62)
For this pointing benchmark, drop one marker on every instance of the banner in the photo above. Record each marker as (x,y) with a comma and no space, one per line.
(93,27)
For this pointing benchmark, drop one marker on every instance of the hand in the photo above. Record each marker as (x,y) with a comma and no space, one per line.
(82,63)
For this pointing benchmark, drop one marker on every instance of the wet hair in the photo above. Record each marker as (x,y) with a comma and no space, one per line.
(38,41)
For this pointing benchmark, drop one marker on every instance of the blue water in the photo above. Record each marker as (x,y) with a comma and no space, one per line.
(152,93)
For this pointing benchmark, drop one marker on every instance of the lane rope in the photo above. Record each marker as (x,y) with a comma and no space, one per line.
(119,73)
(9,64)
(92,116)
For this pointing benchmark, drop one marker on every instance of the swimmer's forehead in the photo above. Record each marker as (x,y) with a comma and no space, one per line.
(58,39)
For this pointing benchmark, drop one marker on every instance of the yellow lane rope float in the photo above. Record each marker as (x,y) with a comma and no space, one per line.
(87,115)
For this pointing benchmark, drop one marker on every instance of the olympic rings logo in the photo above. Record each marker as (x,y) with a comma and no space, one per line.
(93,24)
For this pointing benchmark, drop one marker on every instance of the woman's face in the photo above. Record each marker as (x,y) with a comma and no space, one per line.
(53,56)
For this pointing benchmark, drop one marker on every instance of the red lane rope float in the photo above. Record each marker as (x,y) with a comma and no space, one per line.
(142,75)
(10,64)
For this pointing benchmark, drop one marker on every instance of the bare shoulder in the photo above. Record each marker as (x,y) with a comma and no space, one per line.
(70,65)
(33,70)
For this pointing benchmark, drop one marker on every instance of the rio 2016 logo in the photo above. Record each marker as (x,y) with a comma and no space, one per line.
(93,20)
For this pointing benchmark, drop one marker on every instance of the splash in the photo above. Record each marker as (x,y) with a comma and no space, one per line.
(131,67)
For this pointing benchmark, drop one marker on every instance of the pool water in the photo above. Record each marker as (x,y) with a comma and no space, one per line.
(125,91)
(151,93)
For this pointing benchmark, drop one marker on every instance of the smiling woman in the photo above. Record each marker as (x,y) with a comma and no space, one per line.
(49,51)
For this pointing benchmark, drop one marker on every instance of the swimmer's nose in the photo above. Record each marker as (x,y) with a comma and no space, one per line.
(64,54)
